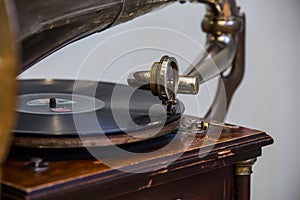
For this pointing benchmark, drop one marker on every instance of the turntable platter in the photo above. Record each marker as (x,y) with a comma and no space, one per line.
(58,113)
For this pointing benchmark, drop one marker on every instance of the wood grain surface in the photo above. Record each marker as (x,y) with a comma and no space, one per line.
(73,179)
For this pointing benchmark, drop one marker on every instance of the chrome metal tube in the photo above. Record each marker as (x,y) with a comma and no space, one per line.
(222,23)
(186,84)
(218,56)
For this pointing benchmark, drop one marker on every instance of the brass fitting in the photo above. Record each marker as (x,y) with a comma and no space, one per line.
(244,168)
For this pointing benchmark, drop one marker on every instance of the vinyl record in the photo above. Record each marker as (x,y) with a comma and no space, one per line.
(57,113)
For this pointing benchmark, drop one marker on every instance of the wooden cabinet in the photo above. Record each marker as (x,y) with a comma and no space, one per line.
(218,168)
(214,185)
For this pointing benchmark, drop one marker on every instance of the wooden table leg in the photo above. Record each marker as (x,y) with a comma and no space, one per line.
(243,173)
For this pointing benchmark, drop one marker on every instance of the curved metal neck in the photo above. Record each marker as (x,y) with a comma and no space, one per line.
(222,24)
(220,8)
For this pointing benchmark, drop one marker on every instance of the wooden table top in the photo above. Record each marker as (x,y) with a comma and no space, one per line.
(208,152)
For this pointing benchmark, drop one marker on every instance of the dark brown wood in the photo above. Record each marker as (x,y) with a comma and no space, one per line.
(242,189)
(90,141)
(208,174)
(214,185)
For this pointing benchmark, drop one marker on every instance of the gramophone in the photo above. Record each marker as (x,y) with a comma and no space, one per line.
(76,139)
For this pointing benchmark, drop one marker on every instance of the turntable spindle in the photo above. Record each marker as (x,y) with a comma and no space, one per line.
(52,103)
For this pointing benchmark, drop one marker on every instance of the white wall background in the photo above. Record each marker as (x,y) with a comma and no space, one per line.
(268,98)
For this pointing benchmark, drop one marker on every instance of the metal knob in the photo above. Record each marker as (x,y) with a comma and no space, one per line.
(37,164)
